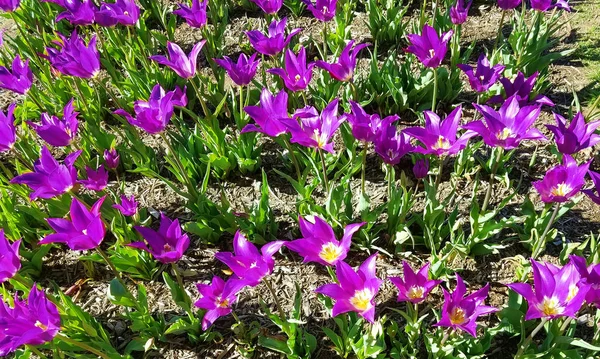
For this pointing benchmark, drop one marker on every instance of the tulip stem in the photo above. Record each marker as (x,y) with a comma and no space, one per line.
(364,168)
(177,275)
(390,179)
(324,41)
(529,338)
(83,99)
(306,100)
(191,189)
(499,35)
(293,157)
(540,244)
(111,265)
(496,158)
(241,121)
(435,89)
(200,98)
(422,17)
(325,181)
(277,303)
(332,274)
(81,346)
(35,351)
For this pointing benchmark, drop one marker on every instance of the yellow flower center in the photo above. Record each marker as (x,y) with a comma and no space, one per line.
(458,316)
(416,292)
(442,143)
(222,303)
(550,306)
(573,290)
(320,138)
(362,300)
(39,324)
(561,190)
(504,134)
(297,78)
(330,252)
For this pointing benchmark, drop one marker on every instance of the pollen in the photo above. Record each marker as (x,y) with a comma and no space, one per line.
(297,78)
(39,324)
(416,292)
(458,316)
(504,134)
(561,190)
(222,303)
(573,290)
(441,144)
(319,138)
(330,252)
(431,52)
(362,300)
(550,306)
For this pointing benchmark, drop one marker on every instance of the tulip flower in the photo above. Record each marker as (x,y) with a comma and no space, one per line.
(421,168)
(459,12)
(77,12)
(217,298)
(74,58)
(128,206)
(460,312)
(124,12)
(273,43)
(415,286)
(56,131)
(508,4)
(439,137)
(167,244)
(356,291)
(194,16)
(484,76)
(19,78)
(545,5)
(323,10)
(268,114)
(315,130)
(9,5)
(297,73)
(8,133)
(391,145)
(578,136)
(32,322)
(555,292)
(84,231)
(366,127)
(269,6)
(242,72)
(562,182)
(10,263)
(343,69)
(590,276)
(111,158)
(594,194)
(50,178)
(97,180)
(521,87)
(154,115)
(178,61)
(429,48)
(247,262)
(318,243)
(508,126)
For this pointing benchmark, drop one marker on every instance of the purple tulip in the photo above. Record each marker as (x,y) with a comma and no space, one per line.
(111,158)
(343,69)
(167,244)
(323,10)
(460,312)
(415,286)
(242,72)
(154,115)
(194,16)
(97,180)
(50,178)
(124,12)
(366,127)
(8,133)
(315,130)
(269,6)
(128,206)
(508,4)
(555,292)
(273,43)
(9,5)
(297,73)
(509,126)
(19,78)
(545,5)
(562,182)
(318,243)
(578,136)
(594,193)
(178,61)
(77,12)
(356,291)
(439,137)
(484,76)
(9,259)
(247,262)
(32,322)
(268,114)
(217,298)
(459,12)
(74,58)
(84,231)
(421,168)
(429,48)
(522,88)
(591,277)
(391,145)
(55,131)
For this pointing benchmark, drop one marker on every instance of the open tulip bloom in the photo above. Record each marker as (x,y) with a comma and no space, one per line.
(315,130)
(56,131)
(183,65)
(167,244)
(323,10)
(297,73)
(415,286)
(366,127)
(391,145)
(217,298)
(10,263)
(578,136)
(8,132)
(77,12)
(562,182)
(594,193)
(429,47)
(73,57)
(128,206)
(268,115)
(241,72)
(591,276)
(9,5)
(19,78)
(124,12)
(275,41)
(484,75)
(318,243)
(269,6)
(522,88)
(343,69)
(195,16)
(545,5)
(97,179)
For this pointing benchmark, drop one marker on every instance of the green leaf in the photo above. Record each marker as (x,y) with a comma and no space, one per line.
(119,295)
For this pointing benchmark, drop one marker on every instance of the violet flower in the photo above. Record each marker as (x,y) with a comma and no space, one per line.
(545,5)
(366,127)
(297,73)
(84,231)
(74,58)
(32,322)
(318,243)
(194,16)
(19,78)
(77,12)
(168,244)
(111,158)
(460,312)
(508,126)
(391,145)
(429,48)
(268,114)
(484,75)
(590,276)
(269,6)
(555,293)
(247,262)
(459,12)
(343,69)
(217,298)
(128,206)
(8,132)
(508,4)
(242,72)
(578,136)
(521,87)
(10,263)
(50,178)
(97,180)
(9,5)
(356,291)
(421,168)
(275,41)
(56,131)
(154,115)
(562,182)
(315,130)
(594,193)
(323,10)
(183,65)
(415,286)
(124,12)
